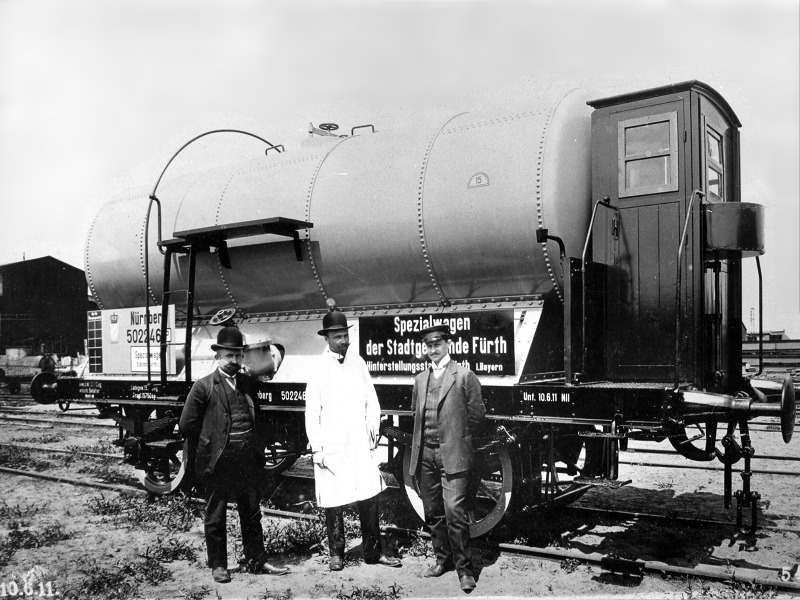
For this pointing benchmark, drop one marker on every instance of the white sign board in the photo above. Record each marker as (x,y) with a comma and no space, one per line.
(121,347)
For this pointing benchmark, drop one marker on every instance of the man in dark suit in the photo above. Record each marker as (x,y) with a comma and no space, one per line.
(448,408)
(219,419)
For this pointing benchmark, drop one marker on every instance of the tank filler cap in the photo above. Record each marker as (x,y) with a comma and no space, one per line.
(325,129)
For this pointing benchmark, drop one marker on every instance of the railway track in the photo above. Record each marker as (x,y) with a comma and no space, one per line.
(303,472)
(57,421)
(780,578)
(85,420)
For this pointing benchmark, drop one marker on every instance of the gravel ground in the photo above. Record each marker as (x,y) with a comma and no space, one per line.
(117,546)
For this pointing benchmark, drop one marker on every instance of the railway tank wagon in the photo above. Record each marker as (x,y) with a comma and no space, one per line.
(586,253)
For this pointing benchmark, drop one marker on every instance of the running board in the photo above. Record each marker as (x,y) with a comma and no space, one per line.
(600,482)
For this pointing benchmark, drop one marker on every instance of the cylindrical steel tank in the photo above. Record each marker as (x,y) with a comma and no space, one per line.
(439,213)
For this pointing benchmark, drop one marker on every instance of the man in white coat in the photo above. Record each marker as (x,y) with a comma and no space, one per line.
(342,421)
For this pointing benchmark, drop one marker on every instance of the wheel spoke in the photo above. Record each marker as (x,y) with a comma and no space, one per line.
(487,492)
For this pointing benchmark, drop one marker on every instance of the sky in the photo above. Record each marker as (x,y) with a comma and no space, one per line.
(95,94)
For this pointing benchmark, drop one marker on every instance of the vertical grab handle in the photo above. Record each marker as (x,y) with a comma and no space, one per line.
(678,284)
(606,201)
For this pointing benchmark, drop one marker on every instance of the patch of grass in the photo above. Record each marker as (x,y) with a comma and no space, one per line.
(293,537)
(17,515)
(196,593)
(99,582)
(45,438)
(5,554)
(417,546)
(120,581)
(21,539)
(147,569)
(14,457)
(103,507)
(371,593)
(28,538)
(107,475)
(570,564)
(103,446)
(268,595)
(172,512)
(170,549)
(733,590)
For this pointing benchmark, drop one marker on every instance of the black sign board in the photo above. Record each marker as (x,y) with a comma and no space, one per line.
(483,341)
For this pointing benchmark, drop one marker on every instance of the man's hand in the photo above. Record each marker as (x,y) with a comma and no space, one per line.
(319,459)
(374,438)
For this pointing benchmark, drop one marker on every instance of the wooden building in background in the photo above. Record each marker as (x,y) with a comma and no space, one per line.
(42,307)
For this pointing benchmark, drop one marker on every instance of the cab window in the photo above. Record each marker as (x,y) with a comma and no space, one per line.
(648,155)
(714,168)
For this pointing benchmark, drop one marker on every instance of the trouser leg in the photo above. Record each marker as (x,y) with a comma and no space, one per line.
(334,522)
(217,494)
(430,483)
(455,492)
(248,505)
(370,528)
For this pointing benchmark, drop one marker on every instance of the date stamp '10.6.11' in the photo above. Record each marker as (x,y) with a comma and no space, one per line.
(28,589)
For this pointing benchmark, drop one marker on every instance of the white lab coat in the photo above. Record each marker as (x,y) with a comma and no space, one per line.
(342,414)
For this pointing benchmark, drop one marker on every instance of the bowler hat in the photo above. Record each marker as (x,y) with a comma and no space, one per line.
(229,338)
(435,333)
(333,321)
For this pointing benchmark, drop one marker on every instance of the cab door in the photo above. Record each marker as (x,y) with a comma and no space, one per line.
(642,163)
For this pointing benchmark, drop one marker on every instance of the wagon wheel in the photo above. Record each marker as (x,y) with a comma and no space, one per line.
(162,465)
(165,469)
(279,457)
(494,489)
(283,445)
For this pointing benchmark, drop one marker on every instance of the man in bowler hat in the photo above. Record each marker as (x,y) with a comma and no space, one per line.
(448,409)
(342,421)
(219,420)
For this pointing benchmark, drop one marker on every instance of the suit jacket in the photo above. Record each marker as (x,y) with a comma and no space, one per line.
(461,411)
(206,420)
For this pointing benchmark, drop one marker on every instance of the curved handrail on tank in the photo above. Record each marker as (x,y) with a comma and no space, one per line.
(605,201)
(154,198)
(700,193)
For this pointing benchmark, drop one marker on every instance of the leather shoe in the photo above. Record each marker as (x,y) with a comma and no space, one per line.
(467,583)
(386,561)
(262,567)
(221,574)
(269,569)
(337,563)
(436,570)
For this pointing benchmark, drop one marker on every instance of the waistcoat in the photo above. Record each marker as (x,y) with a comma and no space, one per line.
(431,435)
